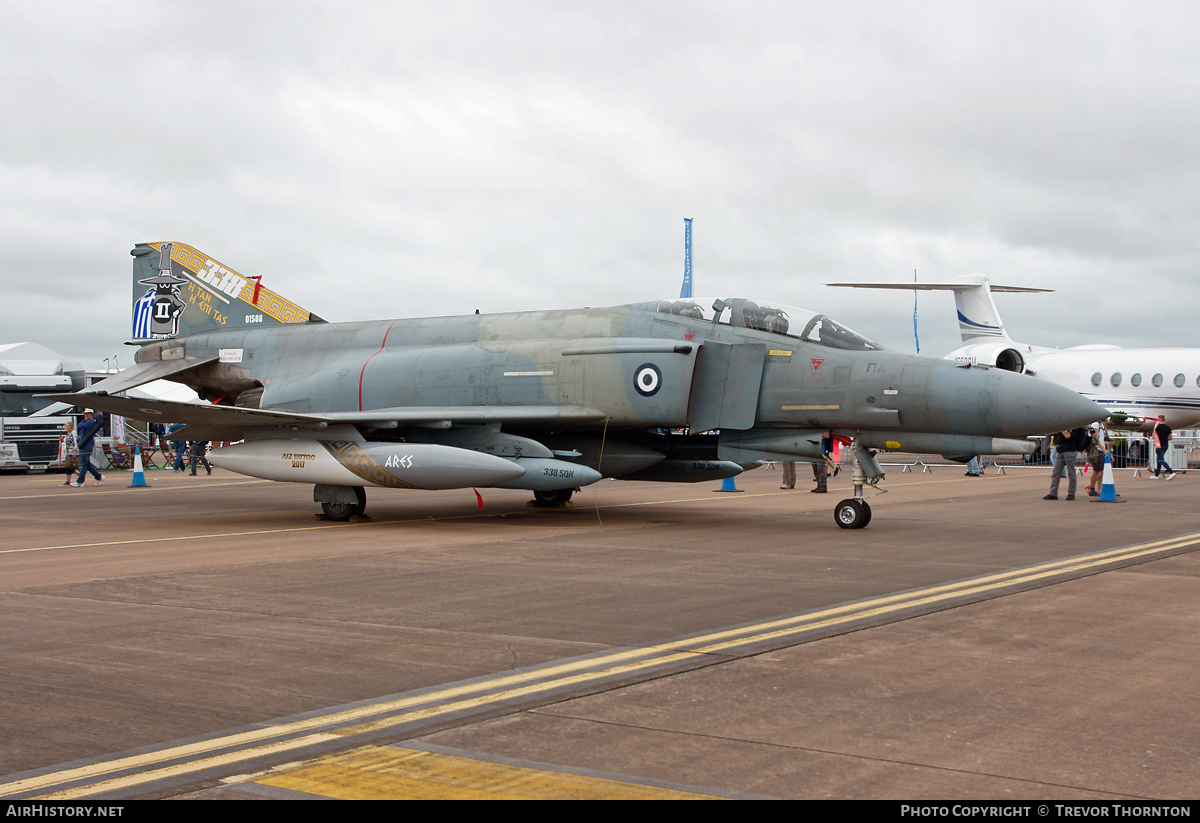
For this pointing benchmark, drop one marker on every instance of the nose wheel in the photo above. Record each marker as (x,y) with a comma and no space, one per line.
(852,514)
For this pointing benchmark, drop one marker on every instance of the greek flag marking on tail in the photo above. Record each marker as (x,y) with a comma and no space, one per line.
(142,310)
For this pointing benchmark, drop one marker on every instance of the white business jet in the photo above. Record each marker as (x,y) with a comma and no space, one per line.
(1137,386)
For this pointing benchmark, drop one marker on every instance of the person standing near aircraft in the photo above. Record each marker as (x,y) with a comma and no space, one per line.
(69,451)
(789,474)
(821,470)
(181,447)
(974,467)
(1096,449)
(88,429)
(199,449)
(1067,445)
(1162,439)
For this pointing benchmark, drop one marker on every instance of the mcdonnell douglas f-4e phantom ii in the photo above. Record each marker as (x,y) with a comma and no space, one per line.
(548,401)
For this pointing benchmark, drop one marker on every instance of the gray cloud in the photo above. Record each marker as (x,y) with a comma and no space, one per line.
(378,159)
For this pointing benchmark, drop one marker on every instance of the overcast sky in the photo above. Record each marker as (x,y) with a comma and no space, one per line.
(378,160)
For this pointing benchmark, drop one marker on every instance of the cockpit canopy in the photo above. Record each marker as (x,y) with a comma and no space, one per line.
(774,318)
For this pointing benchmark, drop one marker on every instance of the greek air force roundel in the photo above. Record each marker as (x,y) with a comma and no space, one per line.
(647,380)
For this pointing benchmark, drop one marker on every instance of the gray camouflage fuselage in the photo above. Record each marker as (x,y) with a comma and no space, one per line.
(757,387)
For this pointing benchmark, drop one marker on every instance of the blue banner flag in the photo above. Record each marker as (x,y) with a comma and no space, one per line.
(686,291)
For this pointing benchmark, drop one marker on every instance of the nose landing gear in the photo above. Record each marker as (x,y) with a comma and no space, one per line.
(854,512)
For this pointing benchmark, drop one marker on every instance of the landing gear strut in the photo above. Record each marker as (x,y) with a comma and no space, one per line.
(855,513)
(551,499)
(344,511)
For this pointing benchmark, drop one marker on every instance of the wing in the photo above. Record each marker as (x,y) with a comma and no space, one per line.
(205,422)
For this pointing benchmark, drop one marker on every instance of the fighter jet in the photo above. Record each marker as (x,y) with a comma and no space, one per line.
(549,401)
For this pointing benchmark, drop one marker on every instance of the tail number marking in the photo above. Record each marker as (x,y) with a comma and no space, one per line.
(222,279)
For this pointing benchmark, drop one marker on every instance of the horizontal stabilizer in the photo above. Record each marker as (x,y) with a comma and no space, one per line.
(977,315)
(960,286)
(193,413)
(143,373)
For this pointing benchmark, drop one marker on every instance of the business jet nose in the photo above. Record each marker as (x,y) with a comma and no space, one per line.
(1027,405)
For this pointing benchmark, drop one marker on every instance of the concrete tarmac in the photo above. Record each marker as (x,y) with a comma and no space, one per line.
(209,637)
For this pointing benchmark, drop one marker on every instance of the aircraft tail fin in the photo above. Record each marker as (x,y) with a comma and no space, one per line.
(179,291)
(977,314)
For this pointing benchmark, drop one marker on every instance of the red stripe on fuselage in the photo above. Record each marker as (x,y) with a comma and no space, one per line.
(364,368)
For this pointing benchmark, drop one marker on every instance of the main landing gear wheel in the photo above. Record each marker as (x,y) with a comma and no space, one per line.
(550,499)
(344,511)
(852,514)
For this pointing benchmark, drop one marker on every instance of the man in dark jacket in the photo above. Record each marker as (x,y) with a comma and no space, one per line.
(181,447)
(199,449)
(86,434)
(1067,445)
(1161,435)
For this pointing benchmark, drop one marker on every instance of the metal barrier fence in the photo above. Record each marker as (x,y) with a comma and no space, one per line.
(1134,452)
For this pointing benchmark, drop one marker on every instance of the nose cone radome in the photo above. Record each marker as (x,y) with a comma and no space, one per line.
(1028,405)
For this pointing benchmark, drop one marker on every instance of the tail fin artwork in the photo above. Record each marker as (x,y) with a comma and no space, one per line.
(179,291)
(977,315)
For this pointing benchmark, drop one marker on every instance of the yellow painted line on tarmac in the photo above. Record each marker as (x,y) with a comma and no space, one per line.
(745,496)
(391,773)
(235,481)
(372,522)
(113,488)
(556,676)
(276,747)
(138,540)
(977,585)
(377,522)
(406,521)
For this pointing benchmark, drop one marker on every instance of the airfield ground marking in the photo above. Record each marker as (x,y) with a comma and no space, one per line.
(372,522)
(391,772)
(557,676)
(52,479)
(454,519)
(237,482)
(781,493)
(122,490)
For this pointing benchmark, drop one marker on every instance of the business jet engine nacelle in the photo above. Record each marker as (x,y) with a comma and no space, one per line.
(1002,354)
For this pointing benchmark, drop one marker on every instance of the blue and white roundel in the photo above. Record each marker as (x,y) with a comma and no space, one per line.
(647,380)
